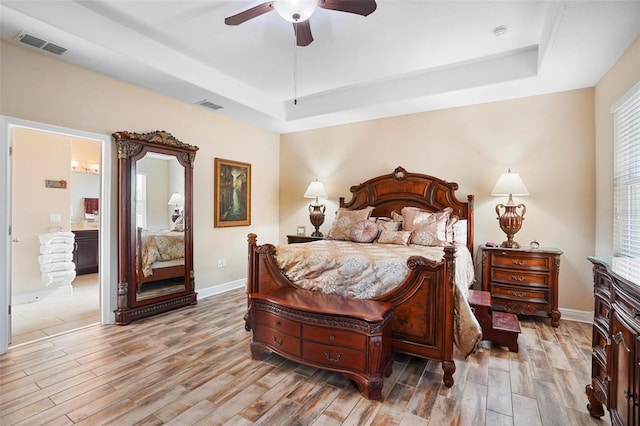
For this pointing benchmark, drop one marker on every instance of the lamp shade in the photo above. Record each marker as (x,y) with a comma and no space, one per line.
(315,190)
(510,184)
(295,10)
(175,200)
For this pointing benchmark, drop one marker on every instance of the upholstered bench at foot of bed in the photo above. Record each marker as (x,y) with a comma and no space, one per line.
(349,336)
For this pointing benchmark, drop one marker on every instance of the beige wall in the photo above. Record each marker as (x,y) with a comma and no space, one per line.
(40,88)
(620,78)
(548,139)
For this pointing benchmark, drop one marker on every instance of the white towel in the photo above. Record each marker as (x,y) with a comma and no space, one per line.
(60,266)
(59,277)
(57,238)
(56,248)
(43,259)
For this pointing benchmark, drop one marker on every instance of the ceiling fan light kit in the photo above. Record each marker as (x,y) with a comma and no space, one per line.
(295,10)
(299,11)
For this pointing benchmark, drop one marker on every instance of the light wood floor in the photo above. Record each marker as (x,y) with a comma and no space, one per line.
(193,366)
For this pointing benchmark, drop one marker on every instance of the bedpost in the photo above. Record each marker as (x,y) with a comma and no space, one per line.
(470,227)
(251,267)
(448,365)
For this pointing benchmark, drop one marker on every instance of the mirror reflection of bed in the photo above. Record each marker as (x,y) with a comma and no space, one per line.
(160,265)
(160,268)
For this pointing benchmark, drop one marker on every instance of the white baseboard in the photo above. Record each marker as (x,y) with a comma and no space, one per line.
(575,315)
(222,288)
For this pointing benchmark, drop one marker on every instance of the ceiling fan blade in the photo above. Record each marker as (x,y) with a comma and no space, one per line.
(251,13)
(359,7)
(303,33)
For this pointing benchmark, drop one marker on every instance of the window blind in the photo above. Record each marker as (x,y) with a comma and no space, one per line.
(626,175)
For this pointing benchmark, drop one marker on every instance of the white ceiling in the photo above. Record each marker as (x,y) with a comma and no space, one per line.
(408,56)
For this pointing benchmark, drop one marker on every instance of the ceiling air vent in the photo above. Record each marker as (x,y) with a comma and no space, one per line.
(205,103)
(38,43)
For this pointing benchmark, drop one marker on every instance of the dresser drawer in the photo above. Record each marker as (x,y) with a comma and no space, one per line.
(334,356)
(277,340)
(334,337)
(275,322)
(519,277)
(521,261)
(525,294)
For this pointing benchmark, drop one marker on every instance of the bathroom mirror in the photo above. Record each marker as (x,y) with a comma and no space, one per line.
(155,238)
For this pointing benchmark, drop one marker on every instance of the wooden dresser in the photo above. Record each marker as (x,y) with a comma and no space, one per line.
(615,364)
(522,281)
(86,252)
(349,336)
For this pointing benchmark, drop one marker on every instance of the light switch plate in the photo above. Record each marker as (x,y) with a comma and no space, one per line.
(55,217)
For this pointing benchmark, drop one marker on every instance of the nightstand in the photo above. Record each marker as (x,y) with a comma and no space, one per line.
(293,239)
(522,281)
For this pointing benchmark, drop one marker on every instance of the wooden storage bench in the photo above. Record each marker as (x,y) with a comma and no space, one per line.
(345,335)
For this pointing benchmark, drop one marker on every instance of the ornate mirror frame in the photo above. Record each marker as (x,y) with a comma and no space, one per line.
(133,147)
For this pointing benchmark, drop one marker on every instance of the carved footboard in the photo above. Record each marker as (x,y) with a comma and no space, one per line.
(423,317)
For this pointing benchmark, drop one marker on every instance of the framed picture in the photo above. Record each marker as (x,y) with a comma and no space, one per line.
(301,230)
(232,193)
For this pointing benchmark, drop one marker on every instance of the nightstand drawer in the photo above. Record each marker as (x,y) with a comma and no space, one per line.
(514,261)
(275,322)
(334,337)
(528,294)
(334,356)
(519,277)
(275,339)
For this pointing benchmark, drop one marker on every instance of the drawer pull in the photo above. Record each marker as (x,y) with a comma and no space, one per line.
(276,341)
(516,278)
(518,293)
(277,323)
(518,262)
(326,354)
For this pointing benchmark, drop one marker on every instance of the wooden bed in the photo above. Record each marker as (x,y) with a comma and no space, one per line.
(423,319)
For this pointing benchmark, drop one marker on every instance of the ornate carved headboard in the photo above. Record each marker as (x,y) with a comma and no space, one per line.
(399,189)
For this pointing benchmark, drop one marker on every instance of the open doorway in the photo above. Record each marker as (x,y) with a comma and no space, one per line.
(9,193)
(55,247)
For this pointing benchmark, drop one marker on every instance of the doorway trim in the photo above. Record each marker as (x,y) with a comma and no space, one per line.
(108,295)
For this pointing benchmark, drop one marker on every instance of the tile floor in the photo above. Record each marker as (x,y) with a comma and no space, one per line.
(57,314)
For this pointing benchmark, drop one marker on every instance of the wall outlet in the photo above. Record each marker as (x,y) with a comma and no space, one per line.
(219,263)
(55,218)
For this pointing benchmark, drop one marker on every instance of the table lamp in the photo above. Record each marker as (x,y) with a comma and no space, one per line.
(510,221)
(316,210)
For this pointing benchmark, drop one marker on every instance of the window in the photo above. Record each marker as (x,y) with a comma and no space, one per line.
(141,200)
(626,175)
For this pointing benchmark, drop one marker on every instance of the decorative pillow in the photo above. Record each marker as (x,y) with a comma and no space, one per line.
(449,229)
(425,230)
(408,214)
(396,217)
(460,232)
(364,231)
(388,225)
(400,238)
(340,229)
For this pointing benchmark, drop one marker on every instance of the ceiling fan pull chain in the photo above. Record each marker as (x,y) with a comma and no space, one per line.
(295,66)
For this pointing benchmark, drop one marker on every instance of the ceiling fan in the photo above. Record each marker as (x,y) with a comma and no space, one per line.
(299,11)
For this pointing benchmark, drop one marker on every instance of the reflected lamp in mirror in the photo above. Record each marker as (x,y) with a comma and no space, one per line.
(316,210)
(175,201)
(510,184)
